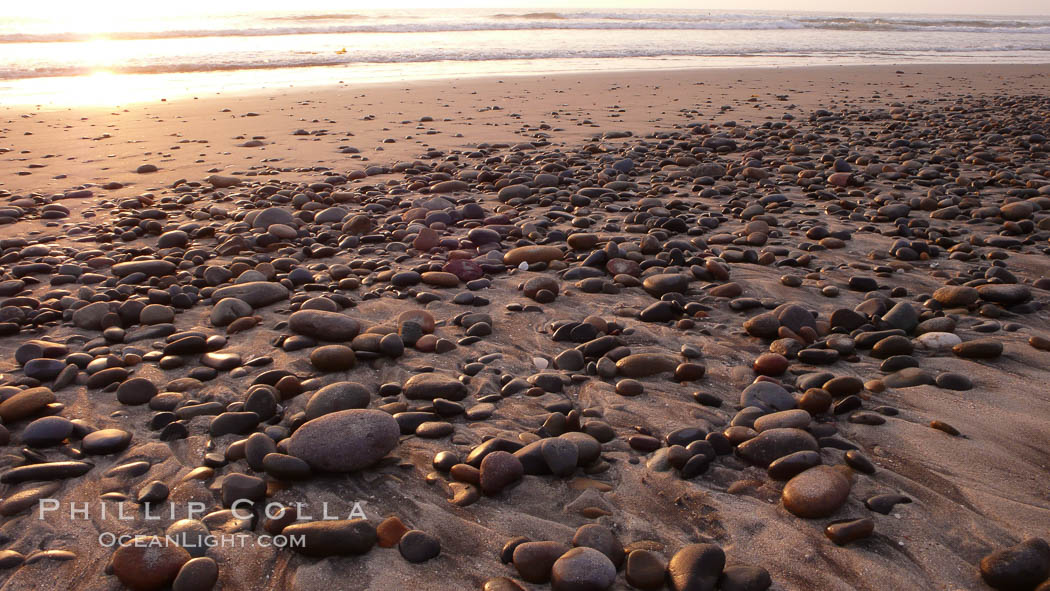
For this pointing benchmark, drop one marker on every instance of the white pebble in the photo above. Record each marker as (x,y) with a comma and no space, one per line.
(938,341)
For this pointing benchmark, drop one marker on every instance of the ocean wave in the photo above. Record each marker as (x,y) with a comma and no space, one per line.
(906,24)
(308,60)
(335,23)
(341,16)
(550,16)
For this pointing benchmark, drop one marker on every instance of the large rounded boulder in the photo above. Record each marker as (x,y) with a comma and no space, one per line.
(346,440)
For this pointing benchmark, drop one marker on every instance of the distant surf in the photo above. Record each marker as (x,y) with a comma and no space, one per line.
(281,40)
(400,22)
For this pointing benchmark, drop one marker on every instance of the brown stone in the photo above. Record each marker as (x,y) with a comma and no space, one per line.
(25,403)
(645,570)
(499,469)
(390,531)
(817,492)
(147,563)
(532,254)
(440,279)
(641,365)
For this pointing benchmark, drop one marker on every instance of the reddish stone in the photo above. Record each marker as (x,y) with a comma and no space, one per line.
(390,532)
(770,364)
(426,240)
(465,269)
(727,290)
(840,179)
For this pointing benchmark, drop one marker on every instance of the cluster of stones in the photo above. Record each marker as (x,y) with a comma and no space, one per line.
(597,555)
(350,277)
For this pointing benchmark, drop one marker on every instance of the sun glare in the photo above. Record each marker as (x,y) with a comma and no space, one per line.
(104,87)
(100,88)
(101,53)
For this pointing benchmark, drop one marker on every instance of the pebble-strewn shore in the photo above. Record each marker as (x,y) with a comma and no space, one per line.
(781,354)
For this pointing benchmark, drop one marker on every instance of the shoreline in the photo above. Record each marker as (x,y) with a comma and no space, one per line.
(46,91)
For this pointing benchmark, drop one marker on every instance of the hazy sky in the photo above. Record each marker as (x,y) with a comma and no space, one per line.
(118,8)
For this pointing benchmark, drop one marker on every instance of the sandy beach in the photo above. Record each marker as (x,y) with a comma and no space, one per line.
(188,138)
(797,298)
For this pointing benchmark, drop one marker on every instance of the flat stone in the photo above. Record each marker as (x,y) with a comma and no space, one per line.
(937,341)
(47,431)
(37,349)
(227,423)
(440,279)
(641,365)
(844,532)
(789,466)
(105,441)
(150,267)
(256,294)
(796,418)
(333,537)
(220,360)
(979,349)
(428,386)
(892,345)
(43,369)
(46,471)
(532,254)
(324,325)
(773,444)
(25,403)
(908,377)
(1007,295)
(333,358)
(658,285)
